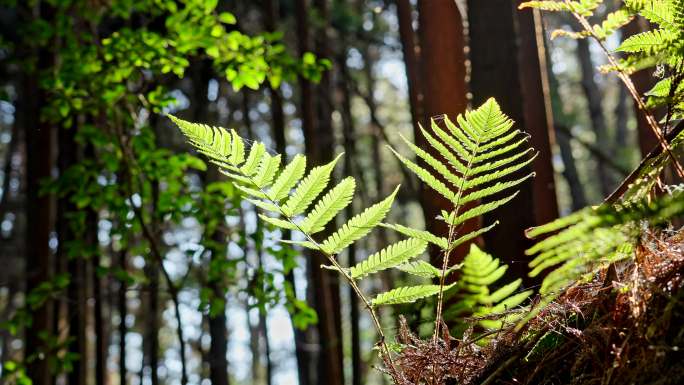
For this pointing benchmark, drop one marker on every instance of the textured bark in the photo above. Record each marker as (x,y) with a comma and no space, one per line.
(537,111)
(494,45)
(411,52)
(442,66)
(597,117)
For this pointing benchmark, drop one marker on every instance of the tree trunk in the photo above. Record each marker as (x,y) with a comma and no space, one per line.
(123,314)
(278,122)
(596,115)
(349,169)
(537,111)
(442,66)
(494,38)
(39,210)
(411,59)
(152,323)
(319,147)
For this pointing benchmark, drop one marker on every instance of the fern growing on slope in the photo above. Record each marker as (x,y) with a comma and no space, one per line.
(479,153)
(476,294)
(580,244)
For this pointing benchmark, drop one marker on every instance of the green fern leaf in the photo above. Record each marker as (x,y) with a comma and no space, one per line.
(358,226)
(287,179)
(391,256)
(251,165)
(309,188)
(455,220)
(420,234)
(407,294)
(327,207)
(287,225)
(267,170)
(426,177)
(420,268)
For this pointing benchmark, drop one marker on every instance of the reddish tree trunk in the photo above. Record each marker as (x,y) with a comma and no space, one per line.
(444,89)
(494,47)
(411,59)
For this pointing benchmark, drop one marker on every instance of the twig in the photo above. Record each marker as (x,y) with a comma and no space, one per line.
(622,75)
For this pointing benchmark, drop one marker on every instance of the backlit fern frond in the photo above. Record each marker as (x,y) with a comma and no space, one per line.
(291,200)
(478,295)
(479,154)
(591,238)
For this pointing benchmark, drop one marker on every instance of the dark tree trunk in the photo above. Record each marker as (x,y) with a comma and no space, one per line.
(442,66)
(152,323)
(218,361)
(349,169)
(319,147)
(278,121)
(537,111)
(494,46)
(40,207)
(411,59)
(596,115)
(123,313)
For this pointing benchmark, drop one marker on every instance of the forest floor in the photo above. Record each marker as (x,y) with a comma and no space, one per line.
(624,327)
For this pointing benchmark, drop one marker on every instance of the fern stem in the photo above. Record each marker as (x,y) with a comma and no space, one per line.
(622,75)
(386,356)
(450,239)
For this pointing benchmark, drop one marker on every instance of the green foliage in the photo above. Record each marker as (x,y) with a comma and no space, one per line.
(661,47)
(477,295)
(583,242)
(479,153)
(287,195)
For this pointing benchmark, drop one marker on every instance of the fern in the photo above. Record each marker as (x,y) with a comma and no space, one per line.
(591,238)
(287,194)
(478,155)
(477,296)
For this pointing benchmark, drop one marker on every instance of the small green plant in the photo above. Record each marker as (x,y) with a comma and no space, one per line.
(480,151)
(579,245)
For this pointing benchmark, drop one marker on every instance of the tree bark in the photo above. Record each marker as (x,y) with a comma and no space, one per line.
(442,66)
(349,170)
(411,52)
(123,313)
(319,148)
(494,46)
(40,207)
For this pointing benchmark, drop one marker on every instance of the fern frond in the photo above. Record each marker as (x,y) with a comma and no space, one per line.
(391,256)
(309,188)
(648,42)
(481,272)
(358,226)
(592,238)
(329,206)
(419,234)
(407,294)
(287,179)
(420,268)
